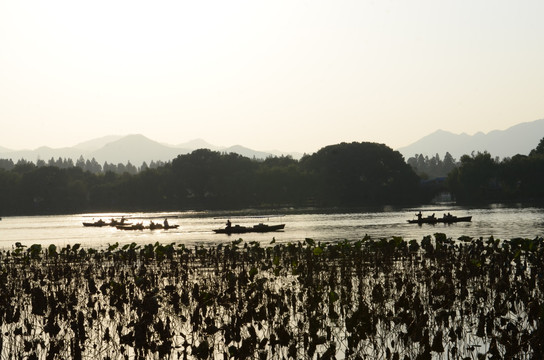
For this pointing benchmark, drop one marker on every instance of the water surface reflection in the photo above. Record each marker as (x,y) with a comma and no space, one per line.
(196,227)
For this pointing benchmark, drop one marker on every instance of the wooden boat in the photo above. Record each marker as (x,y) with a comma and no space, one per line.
(454,219)
(151,226)
(260,228)
(98,223)
(157,226)
(447,219)
(267,228)
(101,223)
(123,221)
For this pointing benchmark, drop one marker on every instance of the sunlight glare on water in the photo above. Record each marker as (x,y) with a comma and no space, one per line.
(196,228)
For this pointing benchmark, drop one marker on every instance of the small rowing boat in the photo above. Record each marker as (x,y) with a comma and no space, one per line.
(157,226)
(259,228)
(151,226)
(446,219)
(101,223)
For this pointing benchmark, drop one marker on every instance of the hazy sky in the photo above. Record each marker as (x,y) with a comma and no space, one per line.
(290,75)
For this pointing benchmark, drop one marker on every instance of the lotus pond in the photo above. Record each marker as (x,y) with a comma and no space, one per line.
(437,298)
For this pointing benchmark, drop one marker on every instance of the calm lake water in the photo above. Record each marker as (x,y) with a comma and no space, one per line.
(501,222)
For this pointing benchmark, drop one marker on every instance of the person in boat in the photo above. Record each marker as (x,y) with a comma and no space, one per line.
(229,224)
(419,215)
(165,223)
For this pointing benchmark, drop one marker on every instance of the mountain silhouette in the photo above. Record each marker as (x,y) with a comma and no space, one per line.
(198,144)
(247,152)
(98,143)
(518,139)
(134,148)
(42,153)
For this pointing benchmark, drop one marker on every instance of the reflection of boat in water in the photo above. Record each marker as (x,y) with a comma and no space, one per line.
(259,228)
(446,219)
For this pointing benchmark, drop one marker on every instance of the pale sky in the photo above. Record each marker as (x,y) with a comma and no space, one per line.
(280,74)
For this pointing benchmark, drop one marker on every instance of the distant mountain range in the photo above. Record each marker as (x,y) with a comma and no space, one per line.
(134,148)
(518,139)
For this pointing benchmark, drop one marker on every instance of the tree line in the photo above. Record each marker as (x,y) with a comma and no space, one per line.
(347,174)
(342,175)
(87,165)
(482,178)
(433,167)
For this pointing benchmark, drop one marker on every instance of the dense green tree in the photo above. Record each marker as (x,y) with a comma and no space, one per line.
(280,181)
(347,174)
(80,162)
(24,166)
(430,168)
(475,180)
(521,176)
(49,189)
(480,178)
(514,173)
(6,164)
(9,184)
(93,166)
(539,150)
(358,174)
(448,164)
(208,178)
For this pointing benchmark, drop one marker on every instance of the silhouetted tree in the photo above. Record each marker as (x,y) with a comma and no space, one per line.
(475,180)
(358,174)
(432,168)
(80,163)
(539,150)
(209,178)
(6,164)
(280,181)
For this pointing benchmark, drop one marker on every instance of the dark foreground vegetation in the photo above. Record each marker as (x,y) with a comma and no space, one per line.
(374,299)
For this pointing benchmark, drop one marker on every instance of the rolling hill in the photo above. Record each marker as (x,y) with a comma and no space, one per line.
(131,148)
(518,139)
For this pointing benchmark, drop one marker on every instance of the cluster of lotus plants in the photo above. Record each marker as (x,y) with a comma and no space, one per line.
(434,298)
